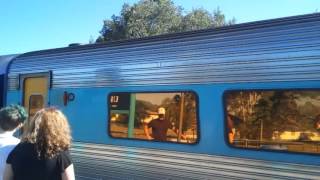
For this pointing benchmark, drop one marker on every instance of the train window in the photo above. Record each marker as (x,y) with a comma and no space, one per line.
(35,104)
(287,120)
(169,117)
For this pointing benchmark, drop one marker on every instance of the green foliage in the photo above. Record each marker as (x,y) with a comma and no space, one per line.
(155,17)
(197,19)
(220,20)
(149,18)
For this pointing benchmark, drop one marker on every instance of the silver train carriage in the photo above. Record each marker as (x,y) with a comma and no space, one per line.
(241,101)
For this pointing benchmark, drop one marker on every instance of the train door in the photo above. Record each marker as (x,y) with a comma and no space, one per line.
(35,93)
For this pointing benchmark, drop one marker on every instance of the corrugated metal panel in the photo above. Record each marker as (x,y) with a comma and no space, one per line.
(93,161)
(275,50)
(4,61)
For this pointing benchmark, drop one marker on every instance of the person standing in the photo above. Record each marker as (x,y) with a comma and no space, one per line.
(160,127)
(43,153)
(11,119)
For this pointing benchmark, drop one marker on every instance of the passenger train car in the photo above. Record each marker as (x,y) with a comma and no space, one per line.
(242,101)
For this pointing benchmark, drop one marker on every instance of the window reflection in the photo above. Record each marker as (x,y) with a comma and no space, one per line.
(280,120)
(154,116)
(35,104)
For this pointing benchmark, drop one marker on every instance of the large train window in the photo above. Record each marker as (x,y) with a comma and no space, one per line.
(169,117)
(285,120)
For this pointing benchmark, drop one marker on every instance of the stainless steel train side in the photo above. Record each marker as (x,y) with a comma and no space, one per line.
(281,53)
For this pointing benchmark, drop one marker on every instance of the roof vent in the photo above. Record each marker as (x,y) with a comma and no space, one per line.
(74,44)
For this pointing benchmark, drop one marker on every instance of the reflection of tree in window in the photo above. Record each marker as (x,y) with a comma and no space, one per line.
(276,117)
(189,112)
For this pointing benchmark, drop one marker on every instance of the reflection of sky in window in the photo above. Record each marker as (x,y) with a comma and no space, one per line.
(154,98)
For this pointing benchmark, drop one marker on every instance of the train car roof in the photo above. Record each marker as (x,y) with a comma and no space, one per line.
(218,30)
(284,49)
(4,62)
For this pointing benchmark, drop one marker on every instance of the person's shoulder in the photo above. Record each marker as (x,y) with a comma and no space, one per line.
(153,121)
(64,159)
(17,151)
(64,154)
(24,146)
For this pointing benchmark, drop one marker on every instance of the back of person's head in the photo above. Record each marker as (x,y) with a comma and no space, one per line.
(161,110)
(161,113)
(49,130)
(11,117)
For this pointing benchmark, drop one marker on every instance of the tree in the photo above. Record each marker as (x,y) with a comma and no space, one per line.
(149,18)
(261,121)
(284,111)
(219,19)
(197,19)
(155,17)
(173,110)
(114,29)
(145,18)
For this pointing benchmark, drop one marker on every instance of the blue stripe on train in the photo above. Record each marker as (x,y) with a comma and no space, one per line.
(88,115)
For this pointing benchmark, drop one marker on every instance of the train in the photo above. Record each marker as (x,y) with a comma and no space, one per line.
(243,101)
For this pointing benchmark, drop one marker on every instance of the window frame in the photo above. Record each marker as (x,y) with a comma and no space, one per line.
(161,91)
(20,86)
(24,76)
(225,114)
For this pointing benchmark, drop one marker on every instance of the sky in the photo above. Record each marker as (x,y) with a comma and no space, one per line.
(30,25)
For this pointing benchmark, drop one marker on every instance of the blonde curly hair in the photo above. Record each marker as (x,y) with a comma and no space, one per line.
(49,130)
